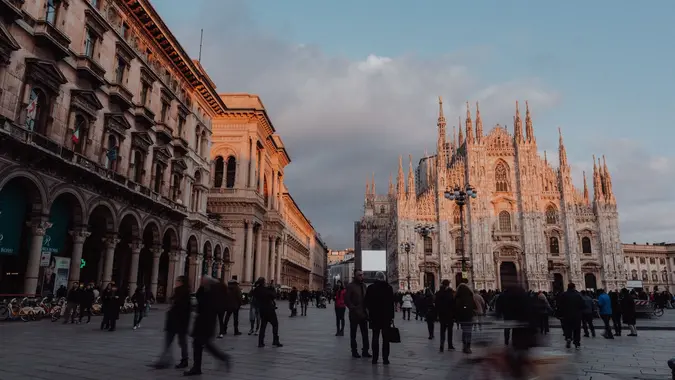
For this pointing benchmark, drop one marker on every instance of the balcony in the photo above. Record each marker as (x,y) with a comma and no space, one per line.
(11,9)
(144,117)
(90,71)
(121,96)
(164,132)
(50,37)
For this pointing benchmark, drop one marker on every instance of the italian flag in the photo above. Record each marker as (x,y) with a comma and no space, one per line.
(76,135)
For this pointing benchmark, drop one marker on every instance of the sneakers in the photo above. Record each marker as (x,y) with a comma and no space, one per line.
(136,327)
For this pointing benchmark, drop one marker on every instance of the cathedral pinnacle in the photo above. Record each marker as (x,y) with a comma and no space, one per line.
(367,187)
(528,124)
(518,126)
(411,179)
(469,125)
(609,194)
(562,153)
(372,186)
(441,132)
(597,183)
(391,185)
(585,190)
(460,140)
(479,124)
(400,179)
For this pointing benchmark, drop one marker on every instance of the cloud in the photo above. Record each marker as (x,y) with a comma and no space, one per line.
(343,119)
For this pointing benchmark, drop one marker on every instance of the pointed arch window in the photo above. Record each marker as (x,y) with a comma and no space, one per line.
(586,245)
(382,210)
(502,178)
(428,245)
(551,215)
(504,221)
(554,245)
(219,168)
(231,172)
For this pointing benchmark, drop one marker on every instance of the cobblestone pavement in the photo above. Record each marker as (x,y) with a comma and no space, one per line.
(46,350)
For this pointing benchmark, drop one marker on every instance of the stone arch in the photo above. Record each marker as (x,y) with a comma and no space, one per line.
(376,245)
(551,213)
(76,200)
(217,252)
(207,250)
(502,176)
(153,226)
(132,220)
(226,255)
(103,209)
(173,235)
(36,188)
(192,246)
(223,151)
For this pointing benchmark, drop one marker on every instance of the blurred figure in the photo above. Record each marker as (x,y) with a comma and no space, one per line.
(264,297)
(445,311)
(209,302)
(254,313)
(587,314)
(232,306)
(429,311)
(628,311)
(293,301)
(87,299)
(605,306)
(379,302)
(465,310)
(340,309)
(177,323)
(139,301)
(616,312)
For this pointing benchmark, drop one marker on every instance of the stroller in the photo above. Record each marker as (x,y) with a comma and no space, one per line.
(322,303)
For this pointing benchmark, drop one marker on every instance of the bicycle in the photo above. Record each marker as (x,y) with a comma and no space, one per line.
(658,311)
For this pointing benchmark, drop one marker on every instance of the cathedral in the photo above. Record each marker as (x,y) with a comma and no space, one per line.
(527,223)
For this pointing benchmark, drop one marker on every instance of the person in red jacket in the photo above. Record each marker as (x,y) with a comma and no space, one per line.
(340,308)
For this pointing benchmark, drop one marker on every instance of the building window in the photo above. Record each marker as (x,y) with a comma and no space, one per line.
(35,111)
(89,43)
(111,153)
(501,178)
(655,276)
(80,132)
(124,30)
(218,175)
(163,112)
(652,260)
(52,9)
(382,210)
(586,245)
(644,275)
(554,245)
(428,245)
(664,276)
(175,187)
(138,167)
(662,261)
(145,90)
(633,274)
(94,3)
(458,245)
(632,260)
(120,70)
(455,216)
(181,124)
(231,172)
(159,173)
(504,221)
(266,192)
(642,260)
(551,215)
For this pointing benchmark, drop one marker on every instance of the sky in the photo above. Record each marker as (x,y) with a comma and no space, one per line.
(351,85)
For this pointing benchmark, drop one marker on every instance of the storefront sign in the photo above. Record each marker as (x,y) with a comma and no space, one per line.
(45,258)
(55,239)
(12,218)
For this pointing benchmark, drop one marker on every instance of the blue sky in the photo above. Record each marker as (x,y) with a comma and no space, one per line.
(606,68)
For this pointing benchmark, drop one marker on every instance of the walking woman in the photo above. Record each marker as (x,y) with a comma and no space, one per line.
(407,305)
(340,309)
(268,314)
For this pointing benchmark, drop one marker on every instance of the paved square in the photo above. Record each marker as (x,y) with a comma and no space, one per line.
(46,350)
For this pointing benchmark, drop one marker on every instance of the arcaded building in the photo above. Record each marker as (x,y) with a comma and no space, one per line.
(528,222)
(105,130)
(273,238)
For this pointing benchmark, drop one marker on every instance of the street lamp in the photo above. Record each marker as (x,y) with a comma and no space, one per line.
(407,247)
(461,196)
(424,230)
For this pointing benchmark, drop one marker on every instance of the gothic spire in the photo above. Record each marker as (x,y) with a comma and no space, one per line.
(367,187)
(400,179)
(562,153)
(609,194)
(411,179)
(391,185)
(454,140)
(469,125)
(585,189)
(597,183)
(545,159)
(441,132)
(528,124)
(479,124)
(517,126)
(372,186)
(460,141)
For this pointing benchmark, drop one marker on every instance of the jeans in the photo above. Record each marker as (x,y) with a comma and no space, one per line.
(138,316)
(406,311)
(303,308)
(229,314)
(363,326)
(385,343)
(467,328)
(254,318)
(446,328)
(587,323)
(166,356)
(608,329)
(85,309)
(340,319)
(616,319)
(271,318)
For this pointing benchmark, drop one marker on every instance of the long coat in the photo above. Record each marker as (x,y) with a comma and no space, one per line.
(178,317)
(628,310)
(379,302)
(208,306)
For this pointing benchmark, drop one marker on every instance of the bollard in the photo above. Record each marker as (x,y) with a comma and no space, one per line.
(671,364)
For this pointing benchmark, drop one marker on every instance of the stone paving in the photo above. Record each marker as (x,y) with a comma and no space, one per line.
(46,350)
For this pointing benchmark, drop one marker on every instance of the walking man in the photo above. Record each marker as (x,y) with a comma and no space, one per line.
(358,316)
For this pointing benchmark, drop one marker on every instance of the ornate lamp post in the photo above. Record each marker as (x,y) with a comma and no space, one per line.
(461,196)
(407,247)
(425,231)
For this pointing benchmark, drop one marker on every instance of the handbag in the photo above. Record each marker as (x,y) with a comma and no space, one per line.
(394,334)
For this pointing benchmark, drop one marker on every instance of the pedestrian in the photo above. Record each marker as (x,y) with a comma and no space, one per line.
(406,305)
(605,309)
(429,311)
(481,310)
(232,306)
(113,308)
(379,302)
(445,311)
(587,314)
(177,323)
(465,310)
(570,308)
(106,298)
(267,308)
(253,315)
(304,301)
(340,309)
(292,301)
(86,301)
(628,311)
(616,312)
(209,302)
(543,310)
(72,301)
(139,301)
(358,316)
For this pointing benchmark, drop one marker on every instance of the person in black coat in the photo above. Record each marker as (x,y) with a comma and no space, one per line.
(292,301)
(445,312)
(570,307)
(264,297)
(627,304)
(86,300)
(429,311)
(209,303)
(379,302)
(177,323)
(106,297)
(616,312)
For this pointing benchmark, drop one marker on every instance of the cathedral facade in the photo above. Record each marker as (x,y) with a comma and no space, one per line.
(528,222)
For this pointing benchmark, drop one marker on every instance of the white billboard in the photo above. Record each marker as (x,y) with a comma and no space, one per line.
(374,261)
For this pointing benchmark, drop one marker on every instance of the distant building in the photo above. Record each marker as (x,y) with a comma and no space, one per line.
(342,271)
(337,256)
(653,264)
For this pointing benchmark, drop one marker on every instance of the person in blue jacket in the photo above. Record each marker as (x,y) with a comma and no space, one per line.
(605,306)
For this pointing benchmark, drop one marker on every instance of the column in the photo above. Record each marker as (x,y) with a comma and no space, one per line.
(273,259)
(251,164)
(195,271)
(259,254)
(219,270)
(39,228)
(173,273)
(279,193)
(277,275)
(154,276)
(136,247)
(261,175)
(110,243)
(249,252)
(79,237)
(273,192)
